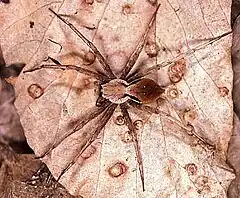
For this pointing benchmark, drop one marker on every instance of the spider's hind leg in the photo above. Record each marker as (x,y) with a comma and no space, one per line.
(91,137)
(133,132)
(188,128)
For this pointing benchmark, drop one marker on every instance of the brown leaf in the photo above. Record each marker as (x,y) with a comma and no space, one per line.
(167,150)
(17,177)
(236,62)
(10,126)
(233,150)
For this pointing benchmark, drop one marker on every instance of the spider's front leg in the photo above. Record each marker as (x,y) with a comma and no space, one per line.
(96,52)
(87,72)
(178,58)
(134,56)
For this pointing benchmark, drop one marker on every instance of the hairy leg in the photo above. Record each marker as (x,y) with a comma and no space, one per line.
(78,124)
(134,56)
(133,133)
(189,129)
(90,139)
(87,72)
(156,67)
(99,56)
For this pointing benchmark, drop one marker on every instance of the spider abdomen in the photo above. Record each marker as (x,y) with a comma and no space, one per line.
(145,90)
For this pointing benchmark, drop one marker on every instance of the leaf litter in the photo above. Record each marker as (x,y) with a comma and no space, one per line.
(163,143)
(233,149)
(17,165)
(10,127)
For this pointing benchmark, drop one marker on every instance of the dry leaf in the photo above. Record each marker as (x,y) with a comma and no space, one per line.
(175,164)
(233,159)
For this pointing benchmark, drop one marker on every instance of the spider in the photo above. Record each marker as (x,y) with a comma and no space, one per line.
(127,90)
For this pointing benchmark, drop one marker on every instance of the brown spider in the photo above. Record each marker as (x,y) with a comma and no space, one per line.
(133,90)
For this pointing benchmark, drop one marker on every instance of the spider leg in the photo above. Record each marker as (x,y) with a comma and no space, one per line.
(189,128)
(78,124)
(87,72)
(150,109)
(177,58)
(103,121)
(101,100)
(99,56)
(132,130)
(140,74)
(134,56)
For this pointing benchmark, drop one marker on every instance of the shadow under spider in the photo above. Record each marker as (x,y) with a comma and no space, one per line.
(129,90)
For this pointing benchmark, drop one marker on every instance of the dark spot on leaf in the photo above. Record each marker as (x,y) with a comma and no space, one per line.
(119,120)
(177,71)
(138,124)
(89,58)
(191,168)
(89,152)
(126,137)
(35,91)
(172,92)
(151,49)
(90,2)
(31,23)
(189,115)
(223,91)
(117,169)
(127,9)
